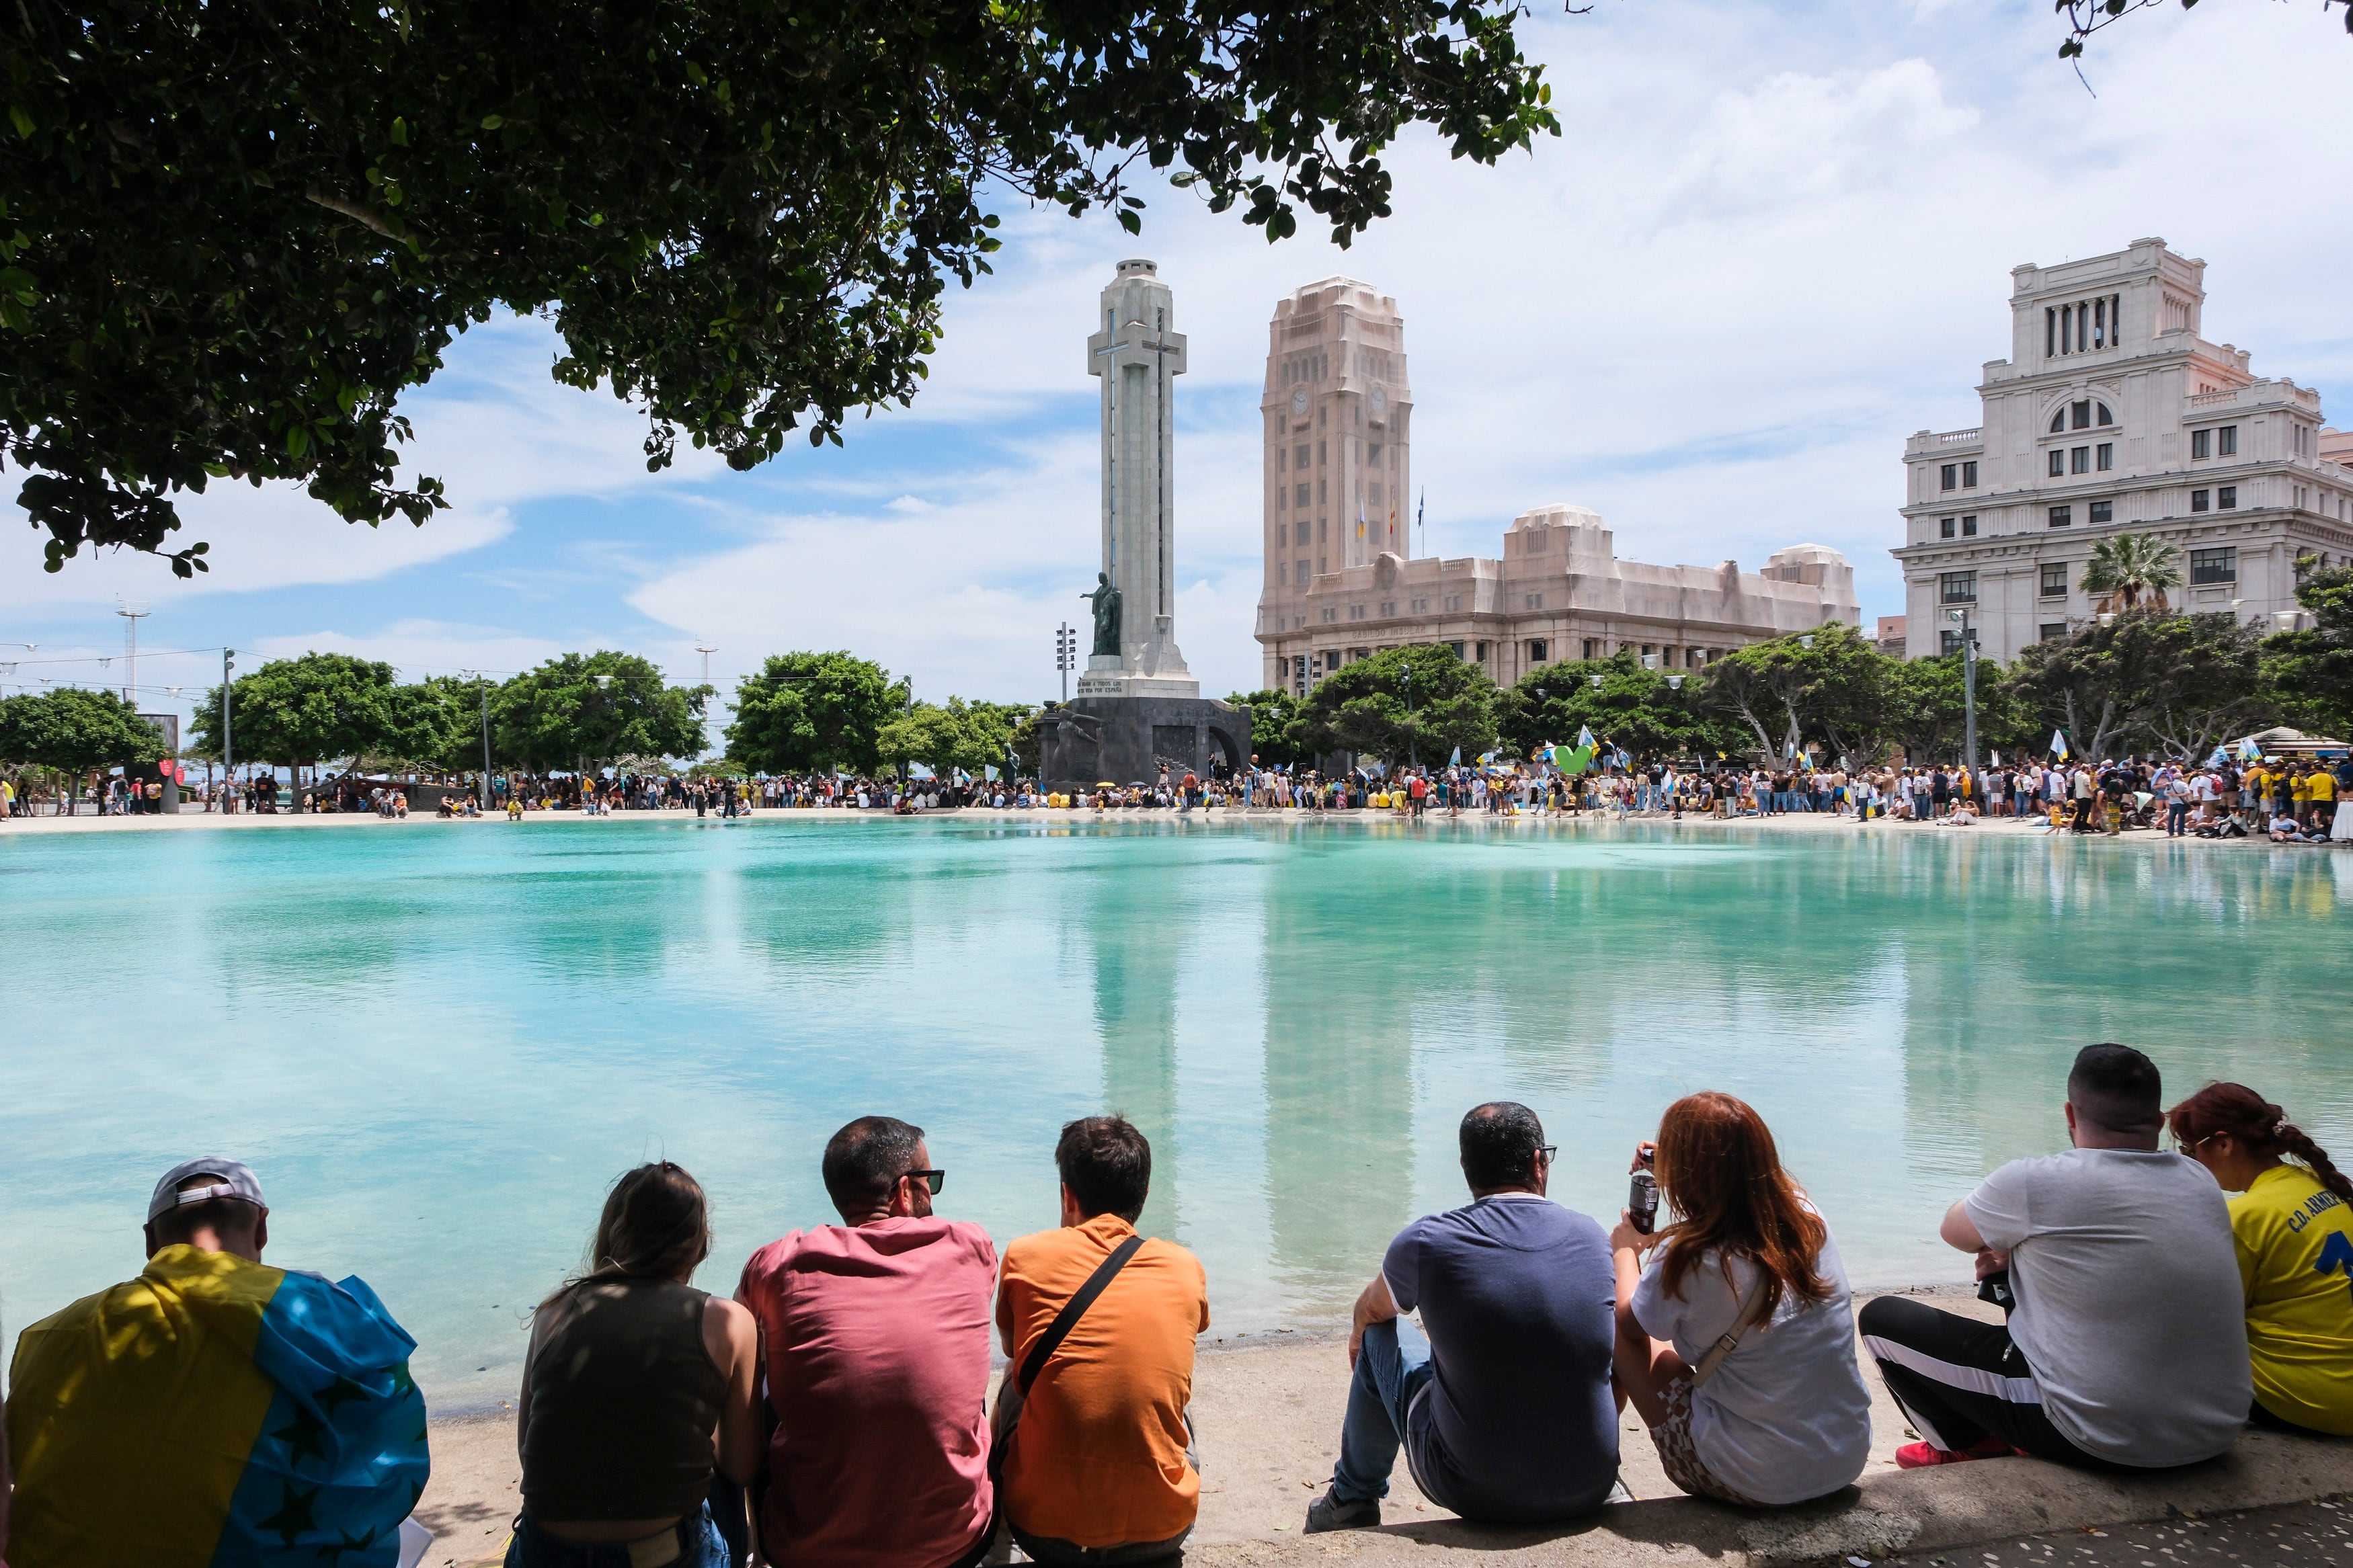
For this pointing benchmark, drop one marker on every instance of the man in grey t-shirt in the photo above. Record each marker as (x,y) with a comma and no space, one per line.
(2127,1344)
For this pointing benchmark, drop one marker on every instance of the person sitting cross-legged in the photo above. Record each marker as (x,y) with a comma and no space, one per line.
(2128,1343)
(1737,1344)
(215,1409)
(876,1335)
(1505,1411)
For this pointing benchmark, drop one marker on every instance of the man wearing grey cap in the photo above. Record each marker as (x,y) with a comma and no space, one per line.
(214,1409)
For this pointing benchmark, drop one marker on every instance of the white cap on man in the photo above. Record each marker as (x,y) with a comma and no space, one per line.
(230,1179)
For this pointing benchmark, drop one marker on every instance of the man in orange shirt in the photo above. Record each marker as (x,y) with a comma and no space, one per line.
(1096,1468)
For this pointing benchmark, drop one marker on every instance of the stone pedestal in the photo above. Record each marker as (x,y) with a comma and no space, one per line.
(1126,740)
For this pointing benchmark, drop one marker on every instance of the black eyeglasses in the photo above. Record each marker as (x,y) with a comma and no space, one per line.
(934,1179)
(1548,1151)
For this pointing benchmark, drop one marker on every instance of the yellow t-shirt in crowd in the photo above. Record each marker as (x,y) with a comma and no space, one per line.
(2296,1258)
(2323,786)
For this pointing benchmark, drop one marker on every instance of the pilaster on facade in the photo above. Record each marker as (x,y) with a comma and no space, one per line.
(2113,414)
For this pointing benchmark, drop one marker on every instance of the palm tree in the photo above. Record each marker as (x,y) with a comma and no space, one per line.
(2123,568)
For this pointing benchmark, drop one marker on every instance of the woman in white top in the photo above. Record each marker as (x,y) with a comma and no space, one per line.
(1736,1341)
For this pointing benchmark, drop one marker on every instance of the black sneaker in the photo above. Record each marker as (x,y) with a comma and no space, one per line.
(1328,1512)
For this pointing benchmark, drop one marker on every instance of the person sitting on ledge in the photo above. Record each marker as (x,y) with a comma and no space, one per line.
(214,1409)
(1504,1410)
(876,1335)
(1092,1439)
(2293,1231)
(635,1388)
(1737,1344)
(2126,1344)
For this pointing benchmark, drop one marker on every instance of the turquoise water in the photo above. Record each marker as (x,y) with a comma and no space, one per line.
(437,1043)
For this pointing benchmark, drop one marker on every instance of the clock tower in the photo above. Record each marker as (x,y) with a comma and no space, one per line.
(1337,470)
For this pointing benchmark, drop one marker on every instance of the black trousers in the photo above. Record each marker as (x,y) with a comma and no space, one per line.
(1960,1380)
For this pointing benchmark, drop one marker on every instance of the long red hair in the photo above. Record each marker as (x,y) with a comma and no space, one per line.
(2256,1125)
(1720,1173)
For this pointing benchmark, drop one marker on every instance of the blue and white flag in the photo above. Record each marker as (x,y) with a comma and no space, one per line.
(1456,760)
(2059,744)
(1583,736)
(2249,752)
(918,771)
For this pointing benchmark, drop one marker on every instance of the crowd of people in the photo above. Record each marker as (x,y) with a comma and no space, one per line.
(836,1410)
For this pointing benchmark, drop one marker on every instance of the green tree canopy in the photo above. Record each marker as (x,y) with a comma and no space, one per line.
(73,730)
(942,736)
(231,235)
(579,711)
(2312,670)
(2146,678)
(435,724)
(808,712)
(1417,702)
(297,711)
(1786,693)
(1927,711)
(1643,710)
(1272,714)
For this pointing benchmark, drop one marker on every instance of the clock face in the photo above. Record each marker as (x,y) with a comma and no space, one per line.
(1380,402)
(1299,401)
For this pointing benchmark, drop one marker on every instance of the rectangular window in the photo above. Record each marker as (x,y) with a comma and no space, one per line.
(1536,651)
(1957,587)
(1323,490)
(1299,458)
(2050,631)
(2214,565)
(1969,475)
(2079,460)
(2201,444)
(1482,653)
(1303,494)
(2199,499)
(1592,647)
(2226,440)
(1282,571)
(1943,527)
(2104,511)
(2227,496)
(1303,570)
(1282,533)
(2054,579)
(2103,456)
(2060,516)
(1281,454)
(2050,331)
(1950,478)
(1969,528)
(1948,641)
(2079,415)
(2058,464)
(1281,494)
(1458,649)
(1535,601)
(1373,455)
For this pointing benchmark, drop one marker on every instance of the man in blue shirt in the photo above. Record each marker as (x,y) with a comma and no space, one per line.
(1504,1410)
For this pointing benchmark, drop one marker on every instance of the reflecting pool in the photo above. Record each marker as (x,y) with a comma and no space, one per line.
(437,1043)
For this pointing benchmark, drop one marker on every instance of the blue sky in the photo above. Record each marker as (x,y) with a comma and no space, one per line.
(1771,244)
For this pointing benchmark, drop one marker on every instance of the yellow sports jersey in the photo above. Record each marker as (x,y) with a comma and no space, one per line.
(2296,1258)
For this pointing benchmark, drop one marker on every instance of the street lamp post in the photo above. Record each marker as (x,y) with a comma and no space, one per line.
(484,681)
(228,751)
(1968,688)
(1412,760)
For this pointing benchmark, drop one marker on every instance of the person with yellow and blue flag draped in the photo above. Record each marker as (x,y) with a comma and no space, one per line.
(214,1409)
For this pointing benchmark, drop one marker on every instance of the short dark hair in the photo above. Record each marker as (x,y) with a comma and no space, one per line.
(229,1217)
(1107,1165)
(2116,1089)
(1499,1140)
(865,1160)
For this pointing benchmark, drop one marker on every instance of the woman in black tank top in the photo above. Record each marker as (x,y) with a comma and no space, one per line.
(636,1388)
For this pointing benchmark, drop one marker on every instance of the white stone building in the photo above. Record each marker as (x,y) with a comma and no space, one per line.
(1343,581)
(2113,415)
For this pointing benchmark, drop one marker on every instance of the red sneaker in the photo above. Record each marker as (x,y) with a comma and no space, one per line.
(1920,1456)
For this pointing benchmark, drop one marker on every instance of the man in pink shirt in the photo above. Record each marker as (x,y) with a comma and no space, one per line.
(876,1335)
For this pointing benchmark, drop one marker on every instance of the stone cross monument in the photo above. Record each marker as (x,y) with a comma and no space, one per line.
(1138,359)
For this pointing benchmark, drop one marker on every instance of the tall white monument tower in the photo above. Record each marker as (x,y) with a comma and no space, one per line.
(1138,359)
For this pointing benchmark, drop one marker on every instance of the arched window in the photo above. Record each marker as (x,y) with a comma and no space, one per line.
(2059,420)
(2105,417)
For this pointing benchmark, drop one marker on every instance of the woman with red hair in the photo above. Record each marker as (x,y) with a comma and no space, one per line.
(2292,1229)
(1737,1342)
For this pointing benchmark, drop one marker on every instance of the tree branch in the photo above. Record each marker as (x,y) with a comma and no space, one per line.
(351,210)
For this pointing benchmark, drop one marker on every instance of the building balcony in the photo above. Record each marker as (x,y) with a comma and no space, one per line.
(2255,396)
(1929,443)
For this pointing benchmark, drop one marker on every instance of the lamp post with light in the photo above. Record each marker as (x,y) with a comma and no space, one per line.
(1968,688)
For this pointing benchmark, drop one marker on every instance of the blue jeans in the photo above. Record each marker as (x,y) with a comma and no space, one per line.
(700,1546)
(1392,1366)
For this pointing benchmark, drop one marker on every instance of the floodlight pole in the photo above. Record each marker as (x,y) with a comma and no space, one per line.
(1968,689)
(485,684)
(229,750)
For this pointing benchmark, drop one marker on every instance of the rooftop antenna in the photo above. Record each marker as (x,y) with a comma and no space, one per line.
(132,613)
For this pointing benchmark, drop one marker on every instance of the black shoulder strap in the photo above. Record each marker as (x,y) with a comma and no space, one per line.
(1073,1309)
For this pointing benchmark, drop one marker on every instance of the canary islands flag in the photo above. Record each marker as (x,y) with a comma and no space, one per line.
(215,1411)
